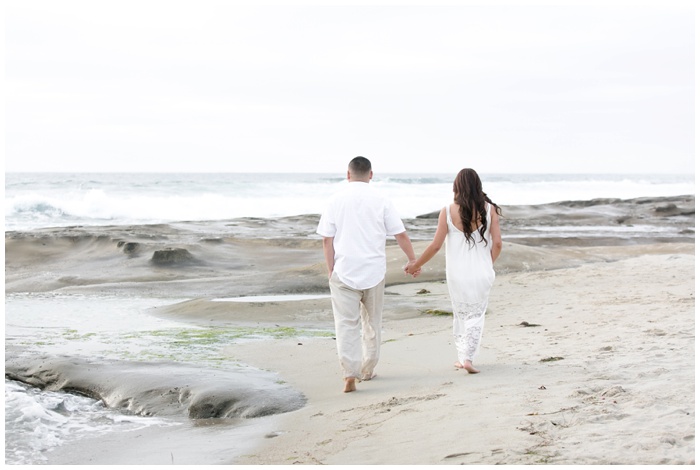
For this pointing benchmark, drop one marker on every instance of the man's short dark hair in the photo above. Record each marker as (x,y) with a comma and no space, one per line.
(360,166)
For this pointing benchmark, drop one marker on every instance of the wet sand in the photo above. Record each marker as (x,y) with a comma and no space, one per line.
(587,355)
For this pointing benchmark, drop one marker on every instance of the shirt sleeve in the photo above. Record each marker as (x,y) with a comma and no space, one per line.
(326,226)
(392,222)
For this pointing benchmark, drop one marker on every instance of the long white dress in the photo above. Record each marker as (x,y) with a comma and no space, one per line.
(470,275)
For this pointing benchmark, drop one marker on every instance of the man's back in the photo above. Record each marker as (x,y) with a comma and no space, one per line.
(359,219)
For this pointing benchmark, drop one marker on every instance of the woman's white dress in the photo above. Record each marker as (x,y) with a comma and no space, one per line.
(470,275)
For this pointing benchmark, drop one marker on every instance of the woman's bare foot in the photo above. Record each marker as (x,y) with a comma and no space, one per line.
(470,368)
(349,384)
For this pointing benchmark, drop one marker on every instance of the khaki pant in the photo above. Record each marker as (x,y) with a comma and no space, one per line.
(358,326)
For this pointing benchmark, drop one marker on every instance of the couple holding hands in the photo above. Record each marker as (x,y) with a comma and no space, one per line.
(354,228)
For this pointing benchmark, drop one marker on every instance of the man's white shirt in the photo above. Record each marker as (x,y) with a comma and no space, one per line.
(359,219)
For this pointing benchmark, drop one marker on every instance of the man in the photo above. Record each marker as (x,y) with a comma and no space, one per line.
(354,228)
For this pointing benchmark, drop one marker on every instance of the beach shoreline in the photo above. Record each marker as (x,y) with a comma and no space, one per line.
(587,356)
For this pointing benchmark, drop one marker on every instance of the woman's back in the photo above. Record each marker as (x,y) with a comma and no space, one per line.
(456,219)
(468,265)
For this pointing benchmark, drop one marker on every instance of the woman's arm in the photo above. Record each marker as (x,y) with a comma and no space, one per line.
(432,249)
(497,243)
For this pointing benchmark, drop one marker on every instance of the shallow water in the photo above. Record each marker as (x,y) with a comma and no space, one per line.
(94,326)
(272,298)
(38,421)
(98,328)
(597,231)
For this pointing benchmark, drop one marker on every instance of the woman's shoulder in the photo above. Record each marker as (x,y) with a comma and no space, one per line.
(444,212)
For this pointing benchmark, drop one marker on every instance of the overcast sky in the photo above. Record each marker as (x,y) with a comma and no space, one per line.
(217,86)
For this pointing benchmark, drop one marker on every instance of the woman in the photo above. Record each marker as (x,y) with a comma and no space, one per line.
(473,235)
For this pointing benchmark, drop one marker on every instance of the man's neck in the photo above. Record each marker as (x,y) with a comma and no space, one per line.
(359,179)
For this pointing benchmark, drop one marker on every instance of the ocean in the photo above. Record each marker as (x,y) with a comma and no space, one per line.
(36,200)
(38,421)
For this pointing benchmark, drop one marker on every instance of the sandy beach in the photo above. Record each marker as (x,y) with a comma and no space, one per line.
(588,354)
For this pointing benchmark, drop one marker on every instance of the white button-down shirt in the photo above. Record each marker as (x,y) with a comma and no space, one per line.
(359,219)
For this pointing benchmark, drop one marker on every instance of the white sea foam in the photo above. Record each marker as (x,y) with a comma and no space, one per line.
(37,421)
(43,200)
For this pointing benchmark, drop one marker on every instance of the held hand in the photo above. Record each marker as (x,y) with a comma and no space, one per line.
(411,269)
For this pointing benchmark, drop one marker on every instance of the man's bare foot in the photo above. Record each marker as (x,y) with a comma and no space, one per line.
(470,368)
(364,378)
(349,384)
(459,365)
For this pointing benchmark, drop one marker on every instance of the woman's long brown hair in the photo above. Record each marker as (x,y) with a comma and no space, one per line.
(472,203)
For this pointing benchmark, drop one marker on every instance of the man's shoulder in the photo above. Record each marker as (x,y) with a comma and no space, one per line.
(363,192)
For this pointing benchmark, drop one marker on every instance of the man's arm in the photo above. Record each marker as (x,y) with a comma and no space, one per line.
(405,245)
(329,254)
